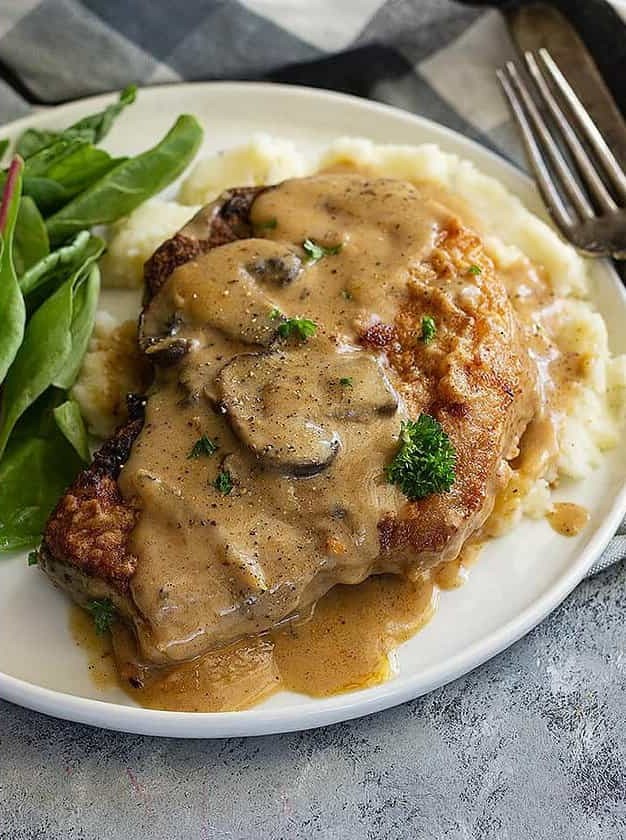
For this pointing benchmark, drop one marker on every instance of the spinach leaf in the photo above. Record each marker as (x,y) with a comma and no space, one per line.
(55,265)
(84,306)
(91,129)
(47,194)
(54,342)
(30,240)
(36,469)
(12,309)
(70,422)
(33,140)
(100,124)
(73,164)
(130,183)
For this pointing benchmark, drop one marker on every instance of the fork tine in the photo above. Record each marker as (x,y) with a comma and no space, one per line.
(550,194)
(567,180)
(585,124)
(586,168)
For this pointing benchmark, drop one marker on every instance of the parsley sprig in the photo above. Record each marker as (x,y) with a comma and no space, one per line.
(203,446)
(425,460)
(315,251)
(103,613)
(301,328)
(224,482)
(429,329)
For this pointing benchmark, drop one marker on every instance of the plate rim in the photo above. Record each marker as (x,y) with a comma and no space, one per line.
(259,721)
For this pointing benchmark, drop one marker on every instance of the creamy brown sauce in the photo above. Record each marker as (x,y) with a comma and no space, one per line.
(212,567)
(99,648)
(342,646)
(567,518)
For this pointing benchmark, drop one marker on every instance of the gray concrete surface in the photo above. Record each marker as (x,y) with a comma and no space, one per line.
(530,746)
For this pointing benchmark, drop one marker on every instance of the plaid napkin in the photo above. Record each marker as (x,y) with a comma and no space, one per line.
(433,57)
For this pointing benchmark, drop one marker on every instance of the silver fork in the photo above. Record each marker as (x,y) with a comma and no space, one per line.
(587,201)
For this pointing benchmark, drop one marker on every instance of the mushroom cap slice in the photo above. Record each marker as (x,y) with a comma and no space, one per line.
(274,409)
(288,405)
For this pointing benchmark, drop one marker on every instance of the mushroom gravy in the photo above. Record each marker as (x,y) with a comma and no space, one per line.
(303,430)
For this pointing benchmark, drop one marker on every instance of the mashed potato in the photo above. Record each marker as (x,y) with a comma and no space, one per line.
(133,240)
(264,160)
(511,233)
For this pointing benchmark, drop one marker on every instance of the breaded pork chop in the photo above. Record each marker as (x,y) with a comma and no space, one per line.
(300,421)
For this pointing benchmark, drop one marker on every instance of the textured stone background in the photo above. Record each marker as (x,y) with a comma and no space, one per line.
(532,745)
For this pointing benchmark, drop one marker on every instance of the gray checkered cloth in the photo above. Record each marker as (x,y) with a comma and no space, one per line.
(432,57)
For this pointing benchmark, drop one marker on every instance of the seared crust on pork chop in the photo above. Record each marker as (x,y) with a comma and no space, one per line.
(84,543)
(225,220)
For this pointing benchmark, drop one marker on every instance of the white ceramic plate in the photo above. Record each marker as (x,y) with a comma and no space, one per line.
(519,579)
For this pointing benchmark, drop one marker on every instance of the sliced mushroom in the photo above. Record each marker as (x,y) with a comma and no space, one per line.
(279,270)
(359,388)
(278,411)
(166,351)
(288,406)
(217,289)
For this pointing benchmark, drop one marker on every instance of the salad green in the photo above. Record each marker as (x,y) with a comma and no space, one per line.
(58,186)
(12,309)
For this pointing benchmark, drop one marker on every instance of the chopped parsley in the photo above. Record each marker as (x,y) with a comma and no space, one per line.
(275,313)
(425,460)
(315,251)
(203,446)
(429,329)
(269,224)
(103,614)
(301,328)
(346,381)
(224,482)
(33,558)
(474,269)
(346,294)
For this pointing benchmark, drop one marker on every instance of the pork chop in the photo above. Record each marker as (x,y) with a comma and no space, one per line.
(286,326)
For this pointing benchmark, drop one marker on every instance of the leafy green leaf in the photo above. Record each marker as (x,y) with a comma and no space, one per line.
(30,240)
(73,164)
(55,264)
(100,124)
(34,139)
(84,305)
(4,145)
(54,342)
(12,308)
(130,183)
(37,467)
(91,129)
(47,194)
(70,422)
